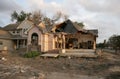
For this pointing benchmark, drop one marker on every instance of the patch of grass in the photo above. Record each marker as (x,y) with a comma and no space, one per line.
(31,54)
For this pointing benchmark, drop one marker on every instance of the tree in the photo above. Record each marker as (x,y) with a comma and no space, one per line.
(114,42)
(19,17)
(37,17)
(80,24)
(101,45)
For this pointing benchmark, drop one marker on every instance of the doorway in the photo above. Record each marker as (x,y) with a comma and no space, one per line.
(34,39)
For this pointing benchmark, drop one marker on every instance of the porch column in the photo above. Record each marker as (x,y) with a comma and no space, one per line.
(94,44)
(63,41)
(57,43)
(23,43)
(17,43)
(53,43)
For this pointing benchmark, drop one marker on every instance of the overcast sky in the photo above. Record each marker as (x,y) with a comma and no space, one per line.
(103,15)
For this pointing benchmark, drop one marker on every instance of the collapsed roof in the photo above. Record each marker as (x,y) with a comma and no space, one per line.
(69,27)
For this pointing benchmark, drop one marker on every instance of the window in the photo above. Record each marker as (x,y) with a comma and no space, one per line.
(17,31)
(24,29)
(1,43)
(13,31)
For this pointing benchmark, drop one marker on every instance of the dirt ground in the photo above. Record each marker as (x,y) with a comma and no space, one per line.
(14,66)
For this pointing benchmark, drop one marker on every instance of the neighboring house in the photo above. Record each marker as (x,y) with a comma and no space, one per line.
(6,43)
(19,32)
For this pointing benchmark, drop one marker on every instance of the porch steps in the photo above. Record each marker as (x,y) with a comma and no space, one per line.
(78,51)
(90,55)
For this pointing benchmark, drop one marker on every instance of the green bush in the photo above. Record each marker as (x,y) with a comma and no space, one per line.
(31,54)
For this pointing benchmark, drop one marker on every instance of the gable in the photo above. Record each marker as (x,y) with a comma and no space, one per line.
(67,27)
(35,29)
(25,24)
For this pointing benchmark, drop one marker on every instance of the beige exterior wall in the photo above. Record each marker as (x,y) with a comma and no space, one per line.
(51,42)
(45,43)
(48,42)
(6,45)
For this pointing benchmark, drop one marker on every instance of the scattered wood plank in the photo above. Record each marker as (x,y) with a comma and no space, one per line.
(50,55)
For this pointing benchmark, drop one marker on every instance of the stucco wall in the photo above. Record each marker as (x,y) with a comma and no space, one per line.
(7,45)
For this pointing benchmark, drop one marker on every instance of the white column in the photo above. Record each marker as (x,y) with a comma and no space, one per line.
(24,43)
(94,44)
(53,42)
(63,41)
(17,43)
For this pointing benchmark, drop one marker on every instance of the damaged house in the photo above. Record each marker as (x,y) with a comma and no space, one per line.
(66,35)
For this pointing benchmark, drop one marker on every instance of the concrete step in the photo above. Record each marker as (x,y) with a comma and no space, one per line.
(79,55)
(79,50)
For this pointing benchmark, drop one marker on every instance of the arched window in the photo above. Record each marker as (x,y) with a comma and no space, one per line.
(34,39)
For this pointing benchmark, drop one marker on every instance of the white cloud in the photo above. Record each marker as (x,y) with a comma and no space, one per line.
(103,15)
(101,5)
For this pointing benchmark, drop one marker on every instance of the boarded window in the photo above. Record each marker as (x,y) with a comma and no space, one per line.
(1,43)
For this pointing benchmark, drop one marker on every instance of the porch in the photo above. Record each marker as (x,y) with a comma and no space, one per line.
(75,41)
(20,43)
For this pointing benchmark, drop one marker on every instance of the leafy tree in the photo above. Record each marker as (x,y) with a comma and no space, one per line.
(37,17)
(101,45)
(19,17)
(114,42)
(80,24)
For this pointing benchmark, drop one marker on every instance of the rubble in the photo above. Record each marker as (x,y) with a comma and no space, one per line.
(16,67)
(3,59)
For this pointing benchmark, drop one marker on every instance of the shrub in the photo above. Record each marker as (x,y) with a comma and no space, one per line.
(31,54)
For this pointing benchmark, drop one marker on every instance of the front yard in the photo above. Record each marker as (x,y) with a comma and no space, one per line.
(13,66)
